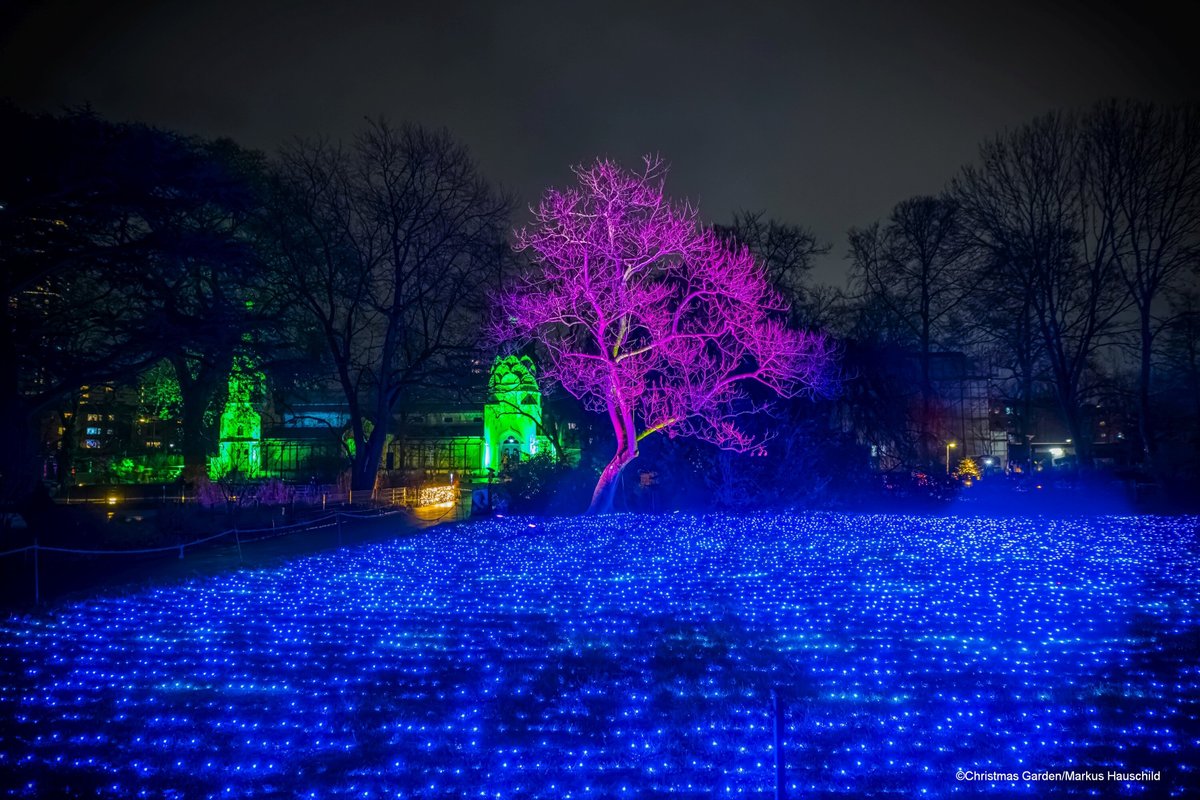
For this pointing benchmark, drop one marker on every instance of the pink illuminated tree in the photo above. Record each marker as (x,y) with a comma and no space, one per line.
(650,318)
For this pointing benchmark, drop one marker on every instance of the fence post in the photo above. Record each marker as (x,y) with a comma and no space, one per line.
(777,713)
(339,527)
(238,538)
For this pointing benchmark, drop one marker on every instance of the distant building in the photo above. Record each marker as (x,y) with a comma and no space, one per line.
(309,441)
(239,448)
(887,410)
(966,389)
(431,439)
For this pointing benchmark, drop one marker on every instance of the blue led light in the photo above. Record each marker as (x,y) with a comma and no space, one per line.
(630,656)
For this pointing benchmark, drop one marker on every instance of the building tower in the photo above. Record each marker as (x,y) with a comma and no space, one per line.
(512,417)
(239,449)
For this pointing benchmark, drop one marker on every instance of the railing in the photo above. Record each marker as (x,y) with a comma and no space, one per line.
(254,534)
(308,496)
(301,495)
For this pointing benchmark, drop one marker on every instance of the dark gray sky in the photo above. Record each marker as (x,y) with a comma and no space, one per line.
(820,113)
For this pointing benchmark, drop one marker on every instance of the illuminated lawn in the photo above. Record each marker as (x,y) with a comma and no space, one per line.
(631,656)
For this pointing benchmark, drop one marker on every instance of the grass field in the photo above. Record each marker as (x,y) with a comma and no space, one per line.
(633,656)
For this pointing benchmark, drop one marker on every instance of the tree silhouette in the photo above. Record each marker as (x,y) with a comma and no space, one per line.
(113,240)
(1147,163)
(1034,206)
(916,269)
(787,254)
(384,248)
(650,318)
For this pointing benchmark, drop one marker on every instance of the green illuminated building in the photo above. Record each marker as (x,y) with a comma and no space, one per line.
(430,439)
(239,448)
(512,418)
(509,424)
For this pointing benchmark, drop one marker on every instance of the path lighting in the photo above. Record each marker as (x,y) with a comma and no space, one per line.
(949,446)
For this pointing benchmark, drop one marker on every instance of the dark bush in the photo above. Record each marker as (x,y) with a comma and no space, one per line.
(542,485)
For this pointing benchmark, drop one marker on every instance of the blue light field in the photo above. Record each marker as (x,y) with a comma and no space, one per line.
(632,656)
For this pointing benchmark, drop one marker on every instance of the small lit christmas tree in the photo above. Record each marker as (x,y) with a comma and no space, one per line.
(968,470)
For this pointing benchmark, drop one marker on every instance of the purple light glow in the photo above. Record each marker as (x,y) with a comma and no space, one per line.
(650,318)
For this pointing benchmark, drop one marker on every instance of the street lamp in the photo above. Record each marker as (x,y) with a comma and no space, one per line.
(948,446)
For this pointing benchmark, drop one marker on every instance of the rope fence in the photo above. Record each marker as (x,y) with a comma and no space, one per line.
(274,531)
(322,495)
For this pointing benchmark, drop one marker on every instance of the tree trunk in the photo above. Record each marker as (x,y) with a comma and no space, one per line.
(196,394)
(194,444)
(927,447)
(1145,423)
(1081,437)
(930,443)
(606,486)
(366,461)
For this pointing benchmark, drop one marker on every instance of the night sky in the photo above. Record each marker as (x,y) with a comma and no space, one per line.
(824,114)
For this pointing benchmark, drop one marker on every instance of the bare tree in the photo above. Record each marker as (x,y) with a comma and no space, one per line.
(203,288)
(387,245)
(787,254)
(1148,160)
(1007,331)
(117,249)
(650,318)
(1181,355)
(916,270)
(1035,206)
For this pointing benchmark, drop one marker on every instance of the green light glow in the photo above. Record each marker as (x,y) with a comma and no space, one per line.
(512,417)
(239,449)
(159,393)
